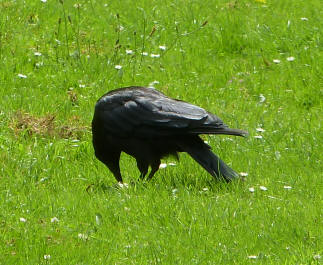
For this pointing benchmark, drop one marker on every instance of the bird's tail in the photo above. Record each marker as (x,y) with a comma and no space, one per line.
(202,154)
(226,131)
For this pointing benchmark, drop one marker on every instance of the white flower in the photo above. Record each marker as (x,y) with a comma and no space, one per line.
(276,61)
(46,256)
(123,185)
(290,59)
(205,189)
(154,55)
(22,76)
(287,187)
(262,98)
(318,256)
(163,165)
(21,219)
(98,219)
(162,47)
(44,179)
(304,18)
(152,84)
(43,1)
(252,189)
(263,188)
(272,197)
(129,52)
(252,257)
(144,53)
(260,130)
(258,136)
(243,174)
(54,220)
(81,86)
(82,236)
(118,67)
(37,54)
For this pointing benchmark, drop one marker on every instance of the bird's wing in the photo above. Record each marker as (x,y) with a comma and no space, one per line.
(153,115)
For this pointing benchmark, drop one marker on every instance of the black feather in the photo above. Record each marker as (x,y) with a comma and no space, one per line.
(148,125)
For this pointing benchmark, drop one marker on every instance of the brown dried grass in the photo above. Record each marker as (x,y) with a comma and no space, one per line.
(23,123)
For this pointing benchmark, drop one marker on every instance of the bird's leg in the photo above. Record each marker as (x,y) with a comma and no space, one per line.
(117,175)
(154,167)
(143,168)
(112,162)
(115,171)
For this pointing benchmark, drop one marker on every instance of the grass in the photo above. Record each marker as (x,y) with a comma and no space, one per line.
(58,57)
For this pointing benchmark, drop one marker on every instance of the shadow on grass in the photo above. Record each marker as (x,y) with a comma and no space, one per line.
(166,183)
(204,183)
(117,187)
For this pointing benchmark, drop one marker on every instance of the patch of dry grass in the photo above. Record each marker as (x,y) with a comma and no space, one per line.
(23,123)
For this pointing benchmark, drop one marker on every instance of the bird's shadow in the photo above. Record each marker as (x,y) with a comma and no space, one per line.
(197,184)
(167,183)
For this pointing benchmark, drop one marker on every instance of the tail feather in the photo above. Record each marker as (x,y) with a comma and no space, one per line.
(210,161)
(226,131)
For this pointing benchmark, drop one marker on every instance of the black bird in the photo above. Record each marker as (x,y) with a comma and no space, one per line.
(148,125)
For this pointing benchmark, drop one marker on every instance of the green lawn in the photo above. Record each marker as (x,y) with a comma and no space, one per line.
(256,64)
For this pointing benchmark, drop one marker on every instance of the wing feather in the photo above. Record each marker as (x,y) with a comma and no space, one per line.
(151,115)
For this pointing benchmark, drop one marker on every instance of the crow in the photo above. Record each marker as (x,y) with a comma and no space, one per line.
(148,125)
